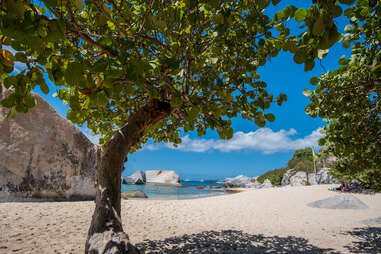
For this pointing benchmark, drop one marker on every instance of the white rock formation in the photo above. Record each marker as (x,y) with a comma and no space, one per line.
(240,181)
(136,178)
(42,155)
(162,177)
(299,179)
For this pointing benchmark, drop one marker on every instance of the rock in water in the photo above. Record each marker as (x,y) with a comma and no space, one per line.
(162,177)
(43,156)
(136,178)
(133,194)
(344,201)
(240,181)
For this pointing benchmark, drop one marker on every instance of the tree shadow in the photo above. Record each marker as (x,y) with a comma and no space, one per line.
(230,241)
(368,240)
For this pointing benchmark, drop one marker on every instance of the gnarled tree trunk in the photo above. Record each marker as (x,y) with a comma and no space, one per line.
(106,232)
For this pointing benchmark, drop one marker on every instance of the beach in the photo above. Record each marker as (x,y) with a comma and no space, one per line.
(272,220)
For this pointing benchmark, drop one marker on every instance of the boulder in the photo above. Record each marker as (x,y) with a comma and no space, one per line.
(323,177)
(312,179)
(162,177)
(133,194)
(266,184)
(240,181)
(286,177)
(299,179)
(372,221)
(344,201)
(136,178)
(44,156)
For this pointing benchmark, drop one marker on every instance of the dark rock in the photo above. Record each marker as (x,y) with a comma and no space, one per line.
(344,201)
(372,221)
(133,194)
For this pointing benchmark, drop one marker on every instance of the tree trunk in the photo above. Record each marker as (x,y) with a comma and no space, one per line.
(106,232)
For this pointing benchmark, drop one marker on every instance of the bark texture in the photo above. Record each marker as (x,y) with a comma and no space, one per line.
(106,232)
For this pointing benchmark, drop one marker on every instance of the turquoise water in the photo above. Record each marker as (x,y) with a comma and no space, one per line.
(187,191)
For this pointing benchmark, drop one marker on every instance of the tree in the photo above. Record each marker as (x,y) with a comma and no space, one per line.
(302,160)
(134,70)
(348,98)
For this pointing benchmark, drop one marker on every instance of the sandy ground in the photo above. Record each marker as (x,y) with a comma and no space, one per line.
(256,221)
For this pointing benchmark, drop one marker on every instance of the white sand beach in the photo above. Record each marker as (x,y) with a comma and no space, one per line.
(272,220)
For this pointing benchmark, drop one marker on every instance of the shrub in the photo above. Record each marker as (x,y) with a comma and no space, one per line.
(275,176)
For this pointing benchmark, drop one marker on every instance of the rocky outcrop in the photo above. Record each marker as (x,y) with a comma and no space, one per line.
(298,178)
(133,194)
(42,155)
(240,181)
(136,178)
(323,177)
(162,177)
(286,177)
(266,184)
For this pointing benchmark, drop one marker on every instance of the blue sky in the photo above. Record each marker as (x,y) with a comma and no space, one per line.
(253,150)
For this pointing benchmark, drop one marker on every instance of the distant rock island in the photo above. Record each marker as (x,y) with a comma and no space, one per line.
(165,177)
(44,156)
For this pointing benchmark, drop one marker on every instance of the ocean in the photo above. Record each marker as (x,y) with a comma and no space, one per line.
(188,190)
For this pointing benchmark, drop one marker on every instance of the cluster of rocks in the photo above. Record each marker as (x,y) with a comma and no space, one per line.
(162,177)
(44,156)
(291,177)
(242,181)
(298,178)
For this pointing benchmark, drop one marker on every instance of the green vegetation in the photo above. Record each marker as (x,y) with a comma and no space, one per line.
(302,161)
(275,176)
(348,99)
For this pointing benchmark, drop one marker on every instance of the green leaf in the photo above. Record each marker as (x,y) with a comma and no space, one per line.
(346,44)
(314,81)
(300,14)
(73,73)
(44,87)
(12,113)
(30,101)
(318,27)
(8,102)
(270,117)
(275,2)
(309,65)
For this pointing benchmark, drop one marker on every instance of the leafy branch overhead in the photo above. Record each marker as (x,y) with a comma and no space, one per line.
(348,98)
(110,58)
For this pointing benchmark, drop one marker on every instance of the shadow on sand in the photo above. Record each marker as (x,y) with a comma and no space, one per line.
(230,241)
(368,240)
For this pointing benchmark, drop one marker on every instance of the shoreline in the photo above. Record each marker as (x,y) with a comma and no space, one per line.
(270,218)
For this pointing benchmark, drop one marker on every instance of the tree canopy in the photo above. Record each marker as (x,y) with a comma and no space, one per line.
(110,58)
(348,98)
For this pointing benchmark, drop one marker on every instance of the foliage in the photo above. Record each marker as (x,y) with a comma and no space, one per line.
(110,58)
(348,98)
(302,160)
(275,176)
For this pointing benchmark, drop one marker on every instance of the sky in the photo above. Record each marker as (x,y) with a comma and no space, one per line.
(252,151)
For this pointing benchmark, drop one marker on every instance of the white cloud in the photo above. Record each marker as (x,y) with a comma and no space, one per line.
(265,140)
